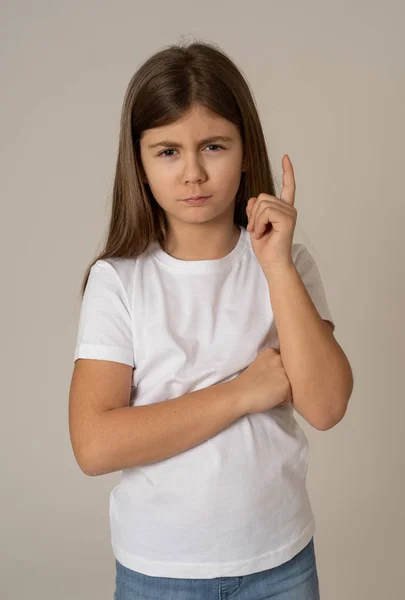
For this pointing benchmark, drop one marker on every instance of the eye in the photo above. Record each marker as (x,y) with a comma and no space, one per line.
(215,146)
(163,153)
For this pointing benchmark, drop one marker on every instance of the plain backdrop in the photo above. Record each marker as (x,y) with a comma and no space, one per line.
(328,79)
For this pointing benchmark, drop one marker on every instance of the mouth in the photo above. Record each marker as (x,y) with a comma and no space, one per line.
(197,200)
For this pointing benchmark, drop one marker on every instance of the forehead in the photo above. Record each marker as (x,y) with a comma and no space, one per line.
(199,122)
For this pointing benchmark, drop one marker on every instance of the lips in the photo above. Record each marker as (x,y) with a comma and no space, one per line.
(197,201)
(196,198)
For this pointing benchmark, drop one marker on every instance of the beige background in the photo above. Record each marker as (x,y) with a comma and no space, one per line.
(329,81)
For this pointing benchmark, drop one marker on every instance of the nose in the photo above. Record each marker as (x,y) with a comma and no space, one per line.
(193,171)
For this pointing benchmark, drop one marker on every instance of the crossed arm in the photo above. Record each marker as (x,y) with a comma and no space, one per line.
(320,374)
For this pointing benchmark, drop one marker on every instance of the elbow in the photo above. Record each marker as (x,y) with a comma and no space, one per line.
(86,450)
(84,462)
(331,420)
(340,404)
(322,417)
(96,463)
(91,467)
(88,471)
(326,425)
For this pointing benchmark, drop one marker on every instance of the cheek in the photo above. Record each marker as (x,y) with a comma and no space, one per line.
(165,173)
(160,179)
(231,169)
(229,179)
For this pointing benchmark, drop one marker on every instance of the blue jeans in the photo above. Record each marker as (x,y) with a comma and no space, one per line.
(297,579)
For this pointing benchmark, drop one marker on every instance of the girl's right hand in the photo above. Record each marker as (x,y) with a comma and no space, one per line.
(264,383)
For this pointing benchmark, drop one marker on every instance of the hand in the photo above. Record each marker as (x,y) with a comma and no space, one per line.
(264,383)
(271,222)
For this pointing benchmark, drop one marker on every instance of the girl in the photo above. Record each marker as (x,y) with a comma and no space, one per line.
(177,381)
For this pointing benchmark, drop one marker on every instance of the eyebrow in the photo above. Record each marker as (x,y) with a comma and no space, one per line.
(216,138)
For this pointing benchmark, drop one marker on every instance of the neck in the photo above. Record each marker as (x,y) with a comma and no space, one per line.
(204,242)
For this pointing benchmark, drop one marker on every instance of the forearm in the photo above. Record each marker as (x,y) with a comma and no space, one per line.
(139,435)
(319,372)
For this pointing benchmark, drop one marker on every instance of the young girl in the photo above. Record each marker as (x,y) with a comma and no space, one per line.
(177,381)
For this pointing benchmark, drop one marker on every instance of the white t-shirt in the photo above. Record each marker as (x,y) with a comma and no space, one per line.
(236,503)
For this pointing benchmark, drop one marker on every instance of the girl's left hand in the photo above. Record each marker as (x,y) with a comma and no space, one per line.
(271,222)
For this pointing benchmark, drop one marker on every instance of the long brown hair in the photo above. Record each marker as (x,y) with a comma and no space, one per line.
(165,87)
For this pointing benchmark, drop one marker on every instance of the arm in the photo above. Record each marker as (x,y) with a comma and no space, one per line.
(320,375)
(139,435)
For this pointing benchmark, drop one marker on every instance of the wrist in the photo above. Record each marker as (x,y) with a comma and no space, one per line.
(238,397)
(279,269)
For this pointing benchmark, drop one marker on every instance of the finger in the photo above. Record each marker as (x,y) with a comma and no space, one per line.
(269,214)
(257,204)
(288,189)
(276,204)
(252,204)
(249,206)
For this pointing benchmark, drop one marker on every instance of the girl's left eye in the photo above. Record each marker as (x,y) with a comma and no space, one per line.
(173,150)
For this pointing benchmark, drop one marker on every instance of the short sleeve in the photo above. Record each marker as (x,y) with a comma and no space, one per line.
(105,324)
(311,278)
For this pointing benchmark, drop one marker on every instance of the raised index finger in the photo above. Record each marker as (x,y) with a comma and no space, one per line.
(288,189)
